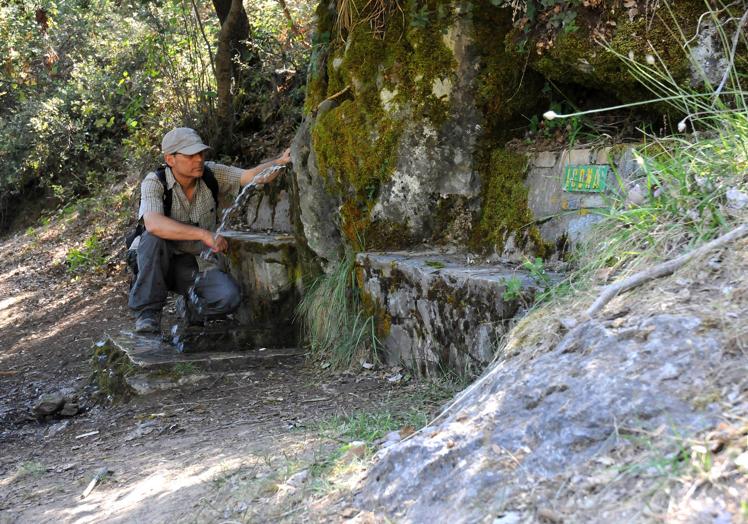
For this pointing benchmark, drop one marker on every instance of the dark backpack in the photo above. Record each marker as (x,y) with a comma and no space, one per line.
(210,180)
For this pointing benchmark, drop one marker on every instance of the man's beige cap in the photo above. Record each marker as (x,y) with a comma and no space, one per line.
(182,140)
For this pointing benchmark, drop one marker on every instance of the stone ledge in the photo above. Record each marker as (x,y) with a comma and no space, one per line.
(437,312)
(129,364)
(152,353)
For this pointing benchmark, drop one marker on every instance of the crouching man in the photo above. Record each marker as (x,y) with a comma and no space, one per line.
(179,207)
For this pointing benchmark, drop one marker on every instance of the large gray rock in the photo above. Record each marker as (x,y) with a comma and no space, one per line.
(317,208)
(437,163)
(529,420)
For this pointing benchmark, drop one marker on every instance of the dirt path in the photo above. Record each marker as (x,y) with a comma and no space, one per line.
(256,446)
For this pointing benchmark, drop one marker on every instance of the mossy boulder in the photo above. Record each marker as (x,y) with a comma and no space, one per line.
(593,54)
(397,114)
(421,98)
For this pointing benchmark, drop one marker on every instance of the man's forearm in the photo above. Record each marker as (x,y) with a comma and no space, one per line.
(170,229)
(249,174)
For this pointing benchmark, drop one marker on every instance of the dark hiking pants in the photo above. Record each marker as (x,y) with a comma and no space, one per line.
(161,270)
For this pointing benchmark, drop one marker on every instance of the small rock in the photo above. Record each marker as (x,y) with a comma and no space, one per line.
(349,513)
(397,377)
(70,409)
(736,199)
(48,404)
(568,323)
(550,515)
(742,460)
(635,196)
(367,365)
(510,517)
(297,479)
(56,428)
(393,436)
(356,450)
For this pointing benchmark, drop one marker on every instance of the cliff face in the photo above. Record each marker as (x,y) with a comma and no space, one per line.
(410,106)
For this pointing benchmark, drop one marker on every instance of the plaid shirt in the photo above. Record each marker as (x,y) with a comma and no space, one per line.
(201,212)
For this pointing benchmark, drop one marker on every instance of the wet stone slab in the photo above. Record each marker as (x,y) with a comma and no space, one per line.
(153,353)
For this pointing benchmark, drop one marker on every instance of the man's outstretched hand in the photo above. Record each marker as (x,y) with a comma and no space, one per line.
(216,243)
(285,157)
(269,174)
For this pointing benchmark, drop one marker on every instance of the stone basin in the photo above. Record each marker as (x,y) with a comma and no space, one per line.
(438,313)
(267,268)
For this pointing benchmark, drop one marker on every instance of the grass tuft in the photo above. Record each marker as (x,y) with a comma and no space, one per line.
(334,322)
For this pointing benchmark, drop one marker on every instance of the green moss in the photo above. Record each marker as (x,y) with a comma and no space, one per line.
(371,307)
(384,235)
(504,210)
(357,142)
(576,58)
(111,367)
(316,87)
(407,59)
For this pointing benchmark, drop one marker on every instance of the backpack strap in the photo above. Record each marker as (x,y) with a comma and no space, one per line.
(210,180)
(161,174)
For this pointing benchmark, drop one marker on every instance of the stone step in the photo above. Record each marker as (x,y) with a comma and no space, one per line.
(267,267)
(436,312)
(153,353)
(128,363)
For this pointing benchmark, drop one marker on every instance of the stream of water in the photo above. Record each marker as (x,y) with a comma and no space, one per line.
(207,254)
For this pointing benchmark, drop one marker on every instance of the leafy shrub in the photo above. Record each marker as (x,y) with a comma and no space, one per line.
(89,256)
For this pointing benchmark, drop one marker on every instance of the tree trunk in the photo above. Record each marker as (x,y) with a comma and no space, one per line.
(234,29)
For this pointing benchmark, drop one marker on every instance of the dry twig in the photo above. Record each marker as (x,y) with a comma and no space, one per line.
(661,270)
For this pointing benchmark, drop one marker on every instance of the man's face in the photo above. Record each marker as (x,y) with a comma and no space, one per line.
(190,166)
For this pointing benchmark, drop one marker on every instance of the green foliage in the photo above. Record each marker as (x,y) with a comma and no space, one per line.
(87,89)
(370,426)
(536,268)
(32,468)
(513,289)
(334,321)
(680,199)
(87,257)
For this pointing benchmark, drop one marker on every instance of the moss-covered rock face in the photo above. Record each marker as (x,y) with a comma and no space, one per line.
(504,210)
(403,121)
(420,102)
(577,54)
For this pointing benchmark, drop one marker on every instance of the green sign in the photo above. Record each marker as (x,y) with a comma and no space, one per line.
(585,178)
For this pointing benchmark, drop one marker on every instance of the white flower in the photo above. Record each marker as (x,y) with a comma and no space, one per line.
(631,56)
(650,59)
(549,115)
(682,125)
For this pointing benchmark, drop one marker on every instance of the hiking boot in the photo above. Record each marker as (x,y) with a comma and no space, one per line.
(149,321)
(186,313)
